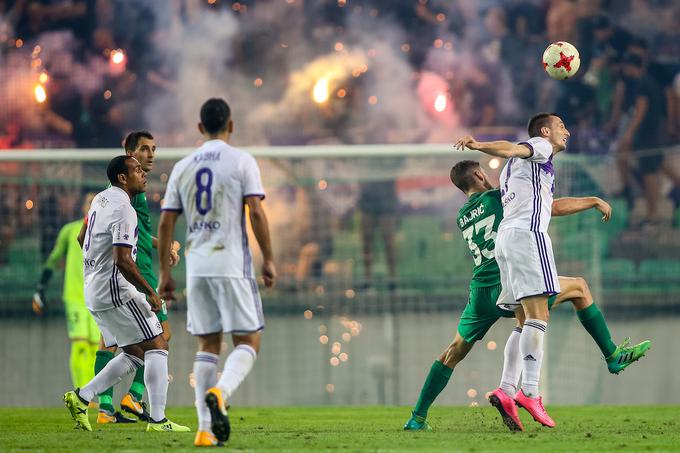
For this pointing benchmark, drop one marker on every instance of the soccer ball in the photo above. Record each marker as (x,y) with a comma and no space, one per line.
(561,60)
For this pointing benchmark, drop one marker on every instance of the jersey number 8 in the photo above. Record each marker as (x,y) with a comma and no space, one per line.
(204,190)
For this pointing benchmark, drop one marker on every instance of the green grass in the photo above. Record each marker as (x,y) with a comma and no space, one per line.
(592,428)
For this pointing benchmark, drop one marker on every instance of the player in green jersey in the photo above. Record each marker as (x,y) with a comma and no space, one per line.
(82,329)
(141,146)
(478,220)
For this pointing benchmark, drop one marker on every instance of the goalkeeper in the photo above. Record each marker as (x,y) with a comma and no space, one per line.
(82,330)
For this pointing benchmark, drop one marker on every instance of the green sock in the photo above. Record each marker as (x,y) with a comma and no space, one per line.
(436,381)
(137,387)
(78,361)
(106,397)
(593,321)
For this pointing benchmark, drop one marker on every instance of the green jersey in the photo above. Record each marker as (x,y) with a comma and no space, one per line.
(478,219)
(144,240)
(67,246)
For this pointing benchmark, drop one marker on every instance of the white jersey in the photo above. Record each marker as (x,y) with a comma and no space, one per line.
(527,187)
(111,221)
(210,186)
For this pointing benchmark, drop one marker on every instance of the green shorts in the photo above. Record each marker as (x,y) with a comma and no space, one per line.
(481,312)
(151,279)
(79,322)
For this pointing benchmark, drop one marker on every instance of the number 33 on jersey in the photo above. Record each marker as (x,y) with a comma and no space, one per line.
(479,219)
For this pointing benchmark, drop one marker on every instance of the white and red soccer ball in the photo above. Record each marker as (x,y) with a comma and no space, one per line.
(561,60)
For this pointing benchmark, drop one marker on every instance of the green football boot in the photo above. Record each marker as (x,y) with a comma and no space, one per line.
(166,425)
(417,423)
(624,355)
(78,410)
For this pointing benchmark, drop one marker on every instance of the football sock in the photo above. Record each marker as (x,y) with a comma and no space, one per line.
(105,397)
(236,368)
(531,351)
(435,382)
(111,375)
(80,363)
(512,363)
(205,377)
(156,378)
(137,386)
(593,321)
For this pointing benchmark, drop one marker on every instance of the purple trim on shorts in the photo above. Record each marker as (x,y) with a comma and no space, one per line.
(121,244)
(545,263)
(244,331)
(172,209)
(257,300)
(134,310)
(531,148)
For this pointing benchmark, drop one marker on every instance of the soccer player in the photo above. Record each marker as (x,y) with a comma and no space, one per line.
(82,330)
(141,146)
(124,315)
(523,247)
(215,187)
(479,219)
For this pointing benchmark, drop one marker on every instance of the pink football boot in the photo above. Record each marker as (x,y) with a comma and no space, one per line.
(507,408)
(535,407)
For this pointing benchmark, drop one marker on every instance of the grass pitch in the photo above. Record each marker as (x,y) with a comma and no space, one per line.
(593,428)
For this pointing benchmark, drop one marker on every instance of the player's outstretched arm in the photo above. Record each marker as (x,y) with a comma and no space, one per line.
(166,230)
(122,258)
(499,148)
(572,205)
(260,225)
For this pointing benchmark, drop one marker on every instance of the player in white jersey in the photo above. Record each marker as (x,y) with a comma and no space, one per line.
(212,187)
(112,294)
(523,248)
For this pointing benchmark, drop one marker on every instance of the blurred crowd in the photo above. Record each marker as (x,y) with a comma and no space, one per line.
(82,73)
(100,64)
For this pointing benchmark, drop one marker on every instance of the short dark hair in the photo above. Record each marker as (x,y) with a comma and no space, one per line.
(117,166)
(215,115)
(537,122)
(461,174)
(132,139)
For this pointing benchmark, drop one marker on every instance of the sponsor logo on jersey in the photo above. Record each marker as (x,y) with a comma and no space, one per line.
(204,225)
(507,199)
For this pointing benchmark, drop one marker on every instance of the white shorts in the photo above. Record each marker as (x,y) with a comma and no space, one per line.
(220,304)
(525,259)
(130,323)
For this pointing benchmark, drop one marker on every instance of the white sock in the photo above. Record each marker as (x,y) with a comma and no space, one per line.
(114,371)
(205,377)
(156,381)
(531,351)
(512,364)
(236,368)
